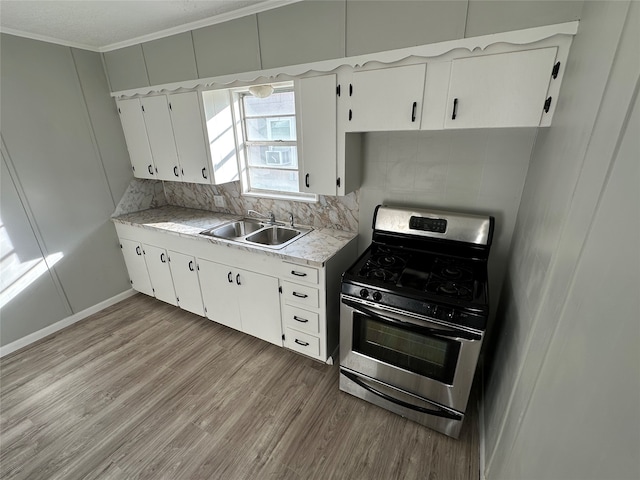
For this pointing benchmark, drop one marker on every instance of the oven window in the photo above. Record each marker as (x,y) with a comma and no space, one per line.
(426,355)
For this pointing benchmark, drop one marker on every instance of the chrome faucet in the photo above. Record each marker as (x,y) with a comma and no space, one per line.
(270,216)
(291,220)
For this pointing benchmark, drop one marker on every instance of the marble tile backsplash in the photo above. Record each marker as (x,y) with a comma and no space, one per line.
(340,213)
(141,195)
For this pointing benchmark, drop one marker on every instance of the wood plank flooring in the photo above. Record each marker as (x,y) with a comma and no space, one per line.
(145,390)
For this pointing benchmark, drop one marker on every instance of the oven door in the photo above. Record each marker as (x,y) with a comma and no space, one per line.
(409,352)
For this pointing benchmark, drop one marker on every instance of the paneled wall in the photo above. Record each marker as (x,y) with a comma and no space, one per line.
(314,30)
(563,395)
(65,167)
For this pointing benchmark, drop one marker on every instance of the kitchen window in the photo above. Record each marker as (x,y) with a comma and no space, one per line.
(269,143)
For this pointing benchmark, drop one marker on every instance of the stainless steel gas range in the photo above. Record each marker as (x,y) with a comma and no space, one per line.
(413,313)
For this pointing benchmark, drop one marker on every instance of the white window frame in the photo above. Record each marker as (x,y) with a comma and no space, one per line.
(244,144)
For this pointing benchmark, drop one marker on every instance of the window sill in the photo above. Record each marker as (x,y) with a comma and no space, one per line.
(293,197)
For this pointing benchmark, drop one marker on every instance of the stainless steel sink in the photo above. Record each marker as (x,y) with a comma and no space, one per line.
(274,236)
(232,230)
(251,231)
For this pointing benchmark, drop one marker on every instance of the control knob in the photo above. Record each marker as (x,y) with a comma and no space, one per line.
(377,296)
(364,293)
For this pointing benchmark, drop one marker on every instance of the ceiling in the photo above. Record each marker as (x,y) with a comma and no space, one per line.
(103,25)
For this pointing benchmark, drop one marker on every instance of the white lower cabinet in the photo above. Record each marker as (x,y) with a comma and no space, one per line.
(184,271)
(243,300)
(136,266)
(157,260)
(279,301)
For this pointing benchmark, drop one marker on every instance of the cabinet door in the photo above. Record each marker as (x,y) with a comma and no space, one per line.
(502,90)
(133,254)
(219,293)
(221,136)
(184,271)
(189,137)
(387,99)
(160,133)
(160,274)
(135,134)
(317,134)
(259,303)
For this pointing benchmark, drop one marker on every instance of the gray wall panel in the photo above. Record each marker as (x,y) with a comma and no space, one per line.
(170,59)
(30,299)
(126,68)
(302,32)
(104,121)
(375,26)
(228,47)
(47,132)
(491,16)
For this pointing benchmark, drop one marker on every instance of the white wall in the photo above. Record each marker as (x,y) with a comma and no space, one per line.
(562,398)
(65,166)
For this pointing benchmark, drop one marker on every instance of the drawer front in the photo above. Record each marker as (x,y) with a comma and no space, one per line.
(302,295)
(300,273)
(302,320)
(302,342)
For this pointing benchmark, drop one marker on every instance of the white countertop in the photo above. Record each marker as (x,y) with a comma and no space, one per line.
(314,248)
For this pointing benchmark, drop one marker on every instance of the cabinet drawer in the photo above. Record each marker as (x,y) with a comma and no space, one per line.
(300,295)
(302,342)
(300,273)
(300,319)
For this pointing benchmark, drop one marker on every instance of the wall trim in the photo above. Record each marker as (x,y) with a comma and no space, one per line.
(65,322)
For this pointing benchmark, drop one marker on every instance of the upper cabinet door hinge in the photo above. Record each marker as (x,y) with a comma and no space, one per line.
(338,90)
(280,289)
(556,69)
(338,182)
(547,105)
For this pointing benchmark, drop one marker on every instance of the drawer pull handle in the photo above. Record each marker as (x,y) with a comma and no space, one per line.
(300,295)
(304,344)
(300,319)
(298,274)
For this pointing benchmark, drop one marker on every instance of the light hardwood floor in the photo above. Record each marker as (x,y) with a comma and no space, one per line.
(145,390)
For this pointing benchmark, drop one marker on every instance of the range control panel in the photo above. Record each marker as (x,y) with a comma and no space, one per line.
(438,225)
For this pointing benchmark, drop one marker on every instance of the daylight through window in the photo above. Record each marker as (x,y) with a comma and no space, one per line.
(269,127)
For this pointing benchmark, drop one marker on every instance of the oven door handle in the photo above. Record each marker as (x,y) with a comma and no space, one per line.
(450,333)
(437,413)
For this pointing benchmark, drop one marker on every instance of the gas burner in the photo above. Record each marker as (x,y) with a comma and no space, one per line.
(381,275)
(450,289)
(388,260)
(450,269)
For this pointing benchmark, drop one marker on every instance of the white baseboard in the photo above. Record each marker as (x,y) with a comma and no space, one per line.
(65,322)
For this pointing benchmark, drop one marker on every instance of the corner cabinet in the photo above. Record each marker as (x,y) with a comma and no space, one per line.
(501,90)
(288,304)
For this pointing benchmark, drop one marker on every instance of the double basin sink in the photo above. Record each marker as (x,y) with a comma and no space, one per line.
(251,231)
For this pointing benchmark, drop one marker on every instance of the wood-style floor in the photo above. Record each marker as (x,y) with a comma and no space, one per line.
(145,390)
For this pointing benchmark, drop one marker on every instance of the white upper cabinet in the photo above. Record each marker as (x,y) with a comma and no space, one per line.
(190,142)
(501,90)
(386,100)
(317,134)
(221,136)
(160,135)
(135,134)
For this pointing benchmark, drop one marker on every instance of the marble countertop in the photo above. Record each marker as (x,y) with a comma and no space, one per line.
(314,248)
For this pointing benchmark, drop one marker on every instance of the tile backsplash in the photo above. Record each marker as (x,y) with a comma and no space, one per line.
(141,195)
(333,212)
